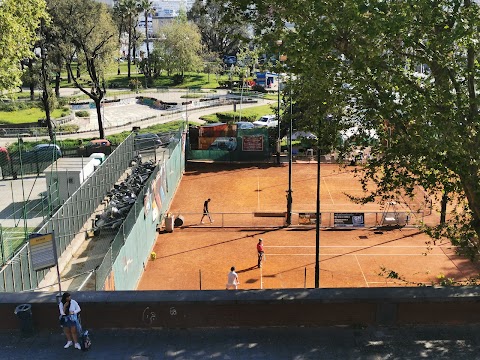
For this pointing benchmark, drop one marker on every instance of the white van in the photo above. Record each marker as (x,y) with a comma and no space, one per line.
(266,121)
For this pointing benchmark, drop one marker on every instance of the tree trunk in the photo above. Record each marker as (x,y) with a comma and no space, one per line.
(96,95)
(57,84)
(69,77)
(31,85)
(129,54)
(46,96)
(148,72)
(98,103)
(135,45)
(443,208)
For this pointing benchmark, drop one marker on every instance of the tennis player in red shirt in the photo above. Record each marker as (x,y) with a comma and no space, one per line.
(260,252)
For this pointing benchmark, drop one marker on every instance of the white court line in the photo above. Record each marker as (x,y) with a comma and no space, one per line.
(261,278)
(258,192)
(363,274)
(269,254)
(355,246)
(331,198)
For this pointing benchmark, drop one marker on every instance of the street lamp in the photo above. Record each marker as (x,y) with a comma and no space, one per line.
(279,43)
(317,214)
(289,191)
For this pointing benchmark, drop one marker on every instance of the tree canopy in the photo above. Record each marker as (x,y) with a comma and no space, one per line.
(221,33)
(409,71)
(90,35)
(180,47)
(19,22)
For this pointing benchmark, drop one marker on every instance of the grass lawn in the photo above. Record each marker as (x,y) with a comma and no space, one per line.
(192,79)
(13,238)
(27,115)
(271,96)
(247,114)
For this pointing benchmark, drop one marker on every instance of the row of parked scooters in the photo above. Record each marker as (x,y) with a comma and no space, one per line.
(123,195)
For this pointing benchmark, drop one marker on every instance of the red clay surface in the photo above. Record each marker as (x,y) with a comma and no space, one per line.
(200,256)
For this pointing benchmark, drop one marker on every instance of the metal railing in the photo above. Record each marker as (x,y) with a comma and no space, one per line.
(67,222)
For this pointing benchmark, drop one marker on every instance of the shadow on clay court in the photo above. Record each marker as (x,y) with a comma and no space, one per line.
(296,182)
(247,269)
(353,251)
(263,232)
(197,169)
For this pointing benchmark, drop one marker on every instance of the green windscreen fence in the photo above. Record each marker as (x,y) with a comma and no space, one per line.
(124,263)
(247,145)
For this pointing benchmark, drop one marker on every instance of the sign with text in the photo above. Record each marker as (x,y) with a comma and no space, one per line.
(308,218)
(42,251)
(349,220)
(252,143)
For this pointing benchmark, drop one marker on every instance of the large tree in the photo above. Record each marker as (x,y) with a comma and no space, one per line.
(90,35)
(19,22)
(221,34)
(427,122)
(180,46)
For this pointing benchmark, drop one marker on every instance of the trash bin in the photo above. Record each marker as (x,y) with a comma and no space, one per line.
(178,221)
(169,221)
(24,314)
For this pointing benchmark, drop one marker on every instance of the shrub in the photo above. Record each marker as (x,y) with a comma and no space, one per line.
(16,105)
(82,113)
(68,128)
(135,84)
(63,101)
(65,112)
(259,88)
(178,79)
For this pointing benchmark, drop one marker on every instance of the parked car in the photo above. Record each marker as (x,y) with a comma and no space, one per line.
(166,138)
(42,153)
(243,125)
(146,141)
(224,143)
(266,121)
(229,59)
(98,146)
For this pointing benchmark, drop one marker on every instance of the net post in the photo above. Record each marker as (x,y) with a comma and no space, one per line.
(305,279)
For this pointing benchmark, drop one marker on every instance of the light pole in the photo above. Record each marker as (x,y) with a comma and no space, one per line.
(317,215)
(279,147)
(289,191)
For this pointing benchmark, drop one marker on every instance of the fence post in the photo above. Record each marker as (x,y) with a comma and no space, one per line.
(2,254)
(305,279)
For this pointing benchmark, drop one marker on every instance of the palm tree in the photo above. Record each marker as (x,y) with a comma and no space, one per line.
(147,7)
(128,10)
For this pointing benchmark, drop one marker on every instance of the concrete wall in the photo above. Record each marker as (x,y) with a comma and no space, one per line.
(188,309)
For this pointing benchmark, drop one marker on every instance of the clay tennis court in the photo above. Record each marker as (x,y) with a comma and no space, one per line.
(198,256)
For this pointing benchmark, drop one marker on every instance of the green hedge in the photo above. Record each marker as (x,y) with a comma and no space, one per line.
(82,113)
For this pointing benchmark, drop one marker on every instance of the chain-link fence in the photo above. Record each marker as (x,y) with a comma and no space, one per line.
(68,220)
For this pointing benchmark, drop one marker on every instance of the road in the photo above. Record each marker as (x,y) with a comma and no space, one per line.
(123,117)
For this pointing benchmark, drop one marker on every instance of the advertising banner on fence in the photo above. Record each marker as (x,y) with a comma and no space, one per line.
(252,143)
(349,220)
(308,218)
